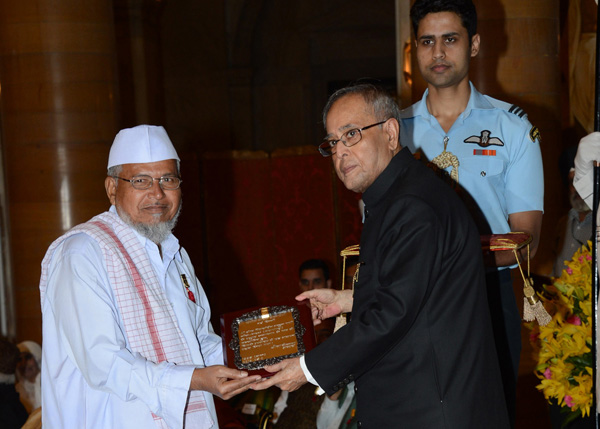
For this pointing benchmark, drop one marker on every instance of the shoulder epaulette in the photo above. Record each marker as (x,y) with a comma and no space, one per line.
(517,110)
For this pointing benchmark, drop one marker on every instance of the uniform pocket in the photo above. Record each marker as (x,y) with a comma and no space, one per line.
(484,166)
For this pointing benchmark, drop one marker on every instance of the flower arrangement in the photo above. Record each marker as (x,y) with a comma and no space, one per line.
(563,347)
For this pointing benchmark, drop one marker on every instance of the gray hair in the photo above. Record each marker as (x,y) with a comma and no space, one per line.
(383,104)
(115,170)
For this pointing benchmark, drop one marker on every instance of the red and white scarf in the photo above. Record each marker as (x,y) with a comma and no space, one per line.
(150,324)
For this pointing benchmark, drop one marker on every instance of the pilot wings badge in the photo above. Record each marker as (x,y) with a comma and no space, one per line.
(484,140)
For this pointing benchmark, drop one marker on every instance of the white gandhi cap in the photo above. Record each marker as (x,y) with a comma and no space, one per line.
(141,144)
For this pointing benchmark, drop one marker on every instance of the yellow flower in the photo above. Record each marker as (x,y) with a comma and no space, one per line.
(562,347)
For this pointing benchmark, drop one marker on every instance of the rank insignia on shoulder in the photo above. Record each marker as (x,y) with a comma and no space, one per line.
(534,133)
(484,140)
(517,110)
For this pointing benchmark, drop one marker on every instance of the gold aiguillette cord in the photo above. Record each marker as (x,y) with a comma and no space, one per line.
(532,306)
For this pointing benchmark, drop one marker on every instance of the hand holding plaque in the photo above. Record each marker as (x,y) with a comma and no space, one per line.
(262,336)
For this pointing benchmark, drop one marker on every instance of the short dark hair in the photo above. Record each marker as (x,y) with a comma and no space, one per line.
(9,356)
(384,105)
(465,9)
(314,264)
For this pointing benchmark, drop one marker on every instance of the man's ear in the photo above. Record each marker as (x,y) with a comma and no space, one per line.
(110,184)
(392,130)
(328,283)
(475,40)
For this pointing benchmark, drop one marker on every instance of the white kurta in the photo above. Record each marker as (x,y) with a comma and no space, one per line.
(90,378)
(331,413)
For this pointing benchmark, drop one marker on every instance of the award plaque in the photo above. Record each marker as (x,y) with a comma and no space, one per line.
(256,337)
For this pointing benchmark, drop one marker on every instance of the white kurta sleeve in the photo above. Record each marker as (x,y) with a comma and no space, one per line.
(587,152)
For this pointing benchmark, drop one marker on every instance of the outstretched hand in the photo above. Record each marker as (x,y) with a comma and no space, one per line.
(288,375)
(327,303)
(222,381)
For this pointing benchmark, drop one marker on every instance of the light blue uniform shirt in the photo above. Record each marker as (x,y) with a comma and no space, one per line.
(501,169)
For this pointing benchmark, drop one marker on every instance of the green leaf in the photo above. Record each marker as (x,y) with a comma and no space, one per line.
(572,416)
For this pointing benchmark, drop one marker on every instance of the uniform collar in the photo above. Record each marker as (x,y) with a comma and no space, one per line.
(476,101)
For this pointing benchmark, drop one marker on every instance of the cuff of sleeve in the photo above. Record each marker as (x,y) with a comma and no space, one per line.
(306,372)
(584,186)
(173,392)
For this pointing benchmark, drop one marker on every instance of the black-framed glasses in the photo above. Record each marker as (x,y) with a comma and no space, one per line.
(144,181)
(349,138)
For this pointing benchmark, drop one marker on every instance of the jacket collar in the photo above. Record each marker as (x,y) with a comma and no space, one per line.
(397,166)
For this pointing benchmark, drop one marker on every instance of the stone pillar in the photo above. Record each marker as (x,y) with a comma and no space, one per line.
(57,105)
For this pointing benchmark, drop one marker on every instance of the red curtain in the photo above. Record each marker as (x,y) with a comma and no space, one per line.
(263,216)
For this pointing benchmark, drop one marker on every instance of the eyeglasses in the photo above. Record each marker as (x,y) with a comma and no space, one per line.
(145,182)
(349,138)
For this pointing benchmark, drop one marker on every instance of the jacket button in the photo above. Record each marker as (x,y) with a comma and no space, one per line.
(359,424)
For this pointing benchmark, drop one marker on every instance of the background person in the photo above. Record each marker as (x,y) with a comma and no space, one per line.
(12,412)
(575,229)
(313,274)
(29,376)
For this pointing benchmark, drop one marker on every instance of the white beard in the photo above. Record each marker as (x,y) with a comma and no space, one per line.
(155,232)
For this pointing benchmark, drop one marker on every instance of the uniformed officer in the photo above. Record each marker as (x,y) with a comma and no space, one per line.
(488,148)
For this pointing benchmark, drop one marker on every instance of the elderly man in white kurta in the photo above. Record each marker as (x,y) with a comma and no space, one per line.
(127,339)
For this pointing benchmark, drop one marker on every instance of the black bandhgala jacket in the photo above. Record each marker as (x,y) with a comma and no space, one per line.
(419,345)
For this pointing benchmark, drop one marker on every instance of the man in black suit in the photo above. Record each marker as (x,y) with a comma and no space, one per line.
(419,345)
